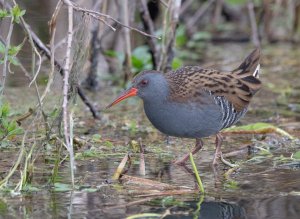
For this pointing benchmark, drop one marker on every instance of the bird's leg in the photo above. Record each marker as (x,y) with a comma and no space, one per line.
(197,147)
(218,152)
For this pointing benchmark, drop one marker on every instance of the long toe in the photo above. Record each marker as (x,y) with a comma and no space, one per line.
(217,157)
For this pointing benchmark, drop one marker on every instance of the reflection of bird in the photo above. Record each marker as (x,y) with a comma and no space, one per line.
(192,102)
(209,210)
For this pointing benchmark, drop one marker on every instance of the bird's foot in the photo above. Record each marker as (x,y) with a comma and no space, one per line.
(227,163)
(219,156)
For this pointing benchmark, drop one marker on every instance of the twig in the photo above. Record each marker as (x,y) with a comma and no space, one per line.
(52,27)
(8,38)
(98,15)
(128,63)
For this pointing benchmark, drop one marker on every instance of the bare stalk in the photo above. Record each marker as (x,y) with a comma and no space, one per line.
(255,38)
(163,44)
(66,86)
(170,24)
(8,38)
(128,63)
(52,48)
(149,27)
(217,12)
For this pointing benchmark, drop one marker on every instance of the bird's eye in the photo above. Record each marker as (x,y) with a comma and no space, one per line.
(144,82)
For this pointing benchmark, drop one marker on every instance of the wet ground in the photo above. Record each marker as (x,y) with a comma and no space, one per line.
(265,185)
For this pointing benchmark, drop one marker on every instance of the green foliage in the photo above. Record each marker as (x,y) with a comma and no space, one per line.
(141,59)
(296,155)
(8,128)
(12,53)
(181,37)
(201,35)
(176,63)
(260,128)
(115,54)
(3,13)
(231,184)
(15,13)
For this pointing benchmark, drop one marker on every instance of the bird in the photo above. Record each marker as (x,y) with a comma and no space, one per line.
(195,102)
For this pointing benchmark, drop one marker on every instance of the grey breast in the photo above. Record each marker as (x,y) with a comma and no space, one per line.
(189,120)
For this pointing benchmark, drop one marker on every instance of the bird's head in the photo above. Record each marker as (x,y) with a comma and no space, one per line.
(148,85)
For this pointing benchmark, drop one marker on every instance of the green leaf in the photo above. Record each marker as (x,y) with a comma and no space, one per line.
(141,59)
(30,188)
(296,155)
(96,138)
(90,190)
(54,113)
(14,50)
(176,63)
(137,63)
(13,60)
(201,35)
(2,48)
(114,54)
(11,126)
(3,13)
(5,110)
(16,13)
(62,187)
(181,37)
(110,53)
(17,131)
(259,128)
(142,52)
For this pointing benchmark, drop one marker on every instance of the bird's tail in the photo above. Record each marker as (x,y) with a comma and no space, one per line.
(248,71)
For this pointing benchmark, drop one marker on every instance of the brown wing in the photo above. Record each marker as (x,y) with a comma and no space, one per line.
(238,86)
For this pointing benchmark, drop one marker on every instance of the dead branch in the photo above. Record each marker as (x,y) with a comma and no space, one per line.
(100,16)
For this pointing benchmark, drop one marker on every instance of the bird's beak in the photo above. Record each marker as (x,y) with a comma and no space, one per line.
(126,94)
